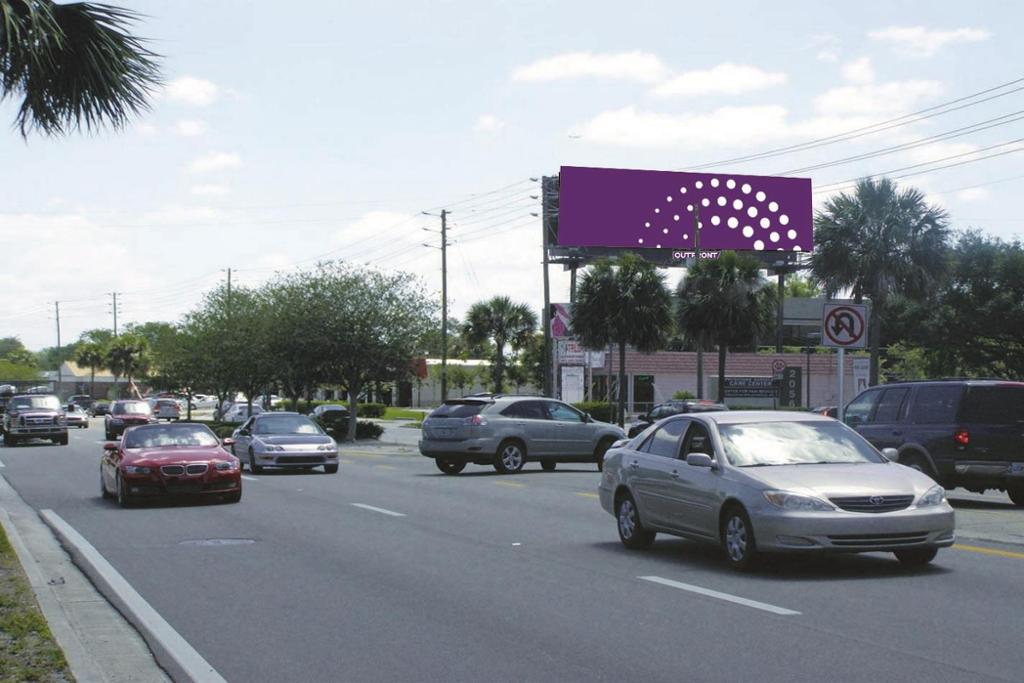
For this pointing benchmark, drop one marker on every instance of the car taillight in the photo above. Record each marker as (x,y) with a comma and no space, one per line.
(475,421)
(962,437)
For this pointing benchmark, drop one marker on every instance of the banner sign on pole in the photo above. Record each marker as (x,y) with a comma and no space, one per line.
(561,321)
(571,352)
(635,209)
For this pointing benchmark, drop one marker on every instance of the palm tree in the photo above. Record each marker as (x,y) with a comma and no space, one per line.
(503,323)
(627,304)
(728,302)
(878,242)
(90,355)
(73,65)
(128,355)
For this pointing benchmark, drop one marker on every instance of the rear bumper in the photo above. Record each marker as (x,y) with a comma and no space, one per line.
(466,450)
(989,474)
(851,532)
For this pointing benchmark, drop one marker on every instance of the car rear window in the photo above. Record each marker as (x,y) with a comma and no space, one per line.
(458,409)
(993,405)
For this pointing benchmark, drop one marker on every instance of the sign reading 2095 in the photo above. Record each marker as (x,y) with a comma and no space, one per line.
(844,326)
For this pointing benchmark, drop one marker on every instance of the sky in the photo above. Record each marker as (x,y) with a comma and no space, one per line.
(281,136)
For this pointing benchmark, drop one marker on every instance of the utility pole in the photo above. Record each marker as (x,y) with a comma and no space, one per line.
(114,309)
(549,213)
(60,363)
(444,305)
(229,287)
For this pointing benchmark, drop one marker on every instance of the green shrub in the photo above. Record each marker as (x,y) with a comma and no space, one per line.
(682,395)
(371,409)
(364,430)
(599,410)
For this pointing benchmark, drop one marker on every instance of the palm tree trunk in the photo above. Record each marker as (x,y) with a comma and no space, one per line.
(622,384)
(499,368)
(722,351)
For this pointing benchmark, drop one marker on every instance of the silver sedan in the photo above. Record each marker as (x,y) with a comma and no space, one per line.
(282,439)
(763,482)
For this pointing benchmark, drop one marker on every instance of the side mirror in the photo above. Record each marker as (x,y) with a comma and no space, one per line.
(110,446)
(891,454)
(699,460)
(619,444)
(587,417)
(228,441)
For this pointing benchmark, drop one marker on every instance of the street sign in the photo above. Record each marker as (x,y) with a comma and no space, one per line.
(791,392)
(571,352)
(861,372)
(844,326)
(778,365)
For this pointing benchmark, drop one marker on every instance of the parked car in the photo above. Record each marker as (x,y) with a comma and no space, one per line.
(669,408)
(155,460)
(125,414)
(84,400)
(99,408)
(76,416)
(280,439)
(763,481)
(509,431)
(967,433)
(266,402)
(827,411)
(34,416)
(331,416)
(239,412)
(203,402)
(166,409)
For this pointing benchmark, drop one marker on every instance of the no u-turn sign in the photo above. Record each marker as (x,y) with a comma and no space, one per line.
(844,326)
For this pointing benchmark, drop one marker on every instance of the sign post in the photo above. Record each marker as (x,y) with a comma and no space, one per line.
(843,327)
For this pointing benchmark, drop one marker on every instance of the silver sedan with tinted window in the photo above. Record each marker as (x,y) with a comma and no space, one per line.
(763,482)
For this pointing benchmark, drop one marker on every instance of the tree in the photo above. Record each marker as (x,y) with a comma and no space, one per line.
(91,355)
(160,340)
(128,355)
(293,304)
(503,324)
(72,65)
(728,302)
(801,287)
(18,372)
(627,304)
(9,345)
(878,242)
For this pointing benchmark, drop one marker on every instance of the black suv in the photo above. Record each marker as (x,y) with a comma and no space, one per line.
(674,407)
(967,433)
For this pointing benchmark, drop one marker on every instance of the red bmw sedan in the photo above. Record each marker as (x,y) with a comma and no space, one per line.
(167,460)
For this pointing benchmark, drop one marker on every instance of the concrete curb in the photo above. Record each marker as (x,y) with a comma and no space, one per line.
(171,650)
(83,667)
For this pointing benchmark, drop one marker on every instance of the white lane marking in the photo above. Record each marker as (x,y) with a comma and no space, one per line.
(720,596)
(248,478)
(140,612)
(1,463)
(380,510)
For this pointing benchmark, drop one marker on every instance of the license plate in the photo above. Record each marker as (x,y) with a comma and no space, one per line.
(444,432)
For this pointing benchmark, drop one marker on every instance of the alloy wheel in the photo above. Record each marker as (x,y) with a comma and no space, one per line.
(627,519)
(736,538)
(512,458)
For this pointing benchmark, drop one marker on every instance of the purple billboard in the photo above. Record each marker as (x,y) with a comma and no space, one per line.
(611,207)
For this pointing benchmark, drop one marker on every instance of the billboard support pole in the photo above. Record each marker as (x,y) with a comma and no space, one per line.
(549,359)
(840,408)
(700,335)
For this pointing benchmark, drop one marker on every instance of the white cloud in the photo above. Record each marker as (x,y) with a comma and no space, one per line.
(827,47)
(725,79)
(643,67)
(146,129)
(208,190)
(827,55)
(488,123)
(726,126)
(876,100)
(197,92)
(215,161)
(859,71)
(190,128)
(973,194)
(918,41)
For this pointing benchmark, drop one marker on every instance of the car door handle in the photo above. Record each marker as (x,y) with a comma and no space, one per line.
(898,432)
(675,474)
(634,464)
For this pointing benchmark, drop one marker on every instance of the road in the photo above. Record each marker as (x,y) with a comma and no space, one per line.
(390,571)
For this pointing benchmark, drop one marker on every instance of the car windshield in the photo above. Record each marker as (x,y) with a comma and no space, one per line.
(47,402)
(794,443)
(131,408)
(168,436)
(286,424)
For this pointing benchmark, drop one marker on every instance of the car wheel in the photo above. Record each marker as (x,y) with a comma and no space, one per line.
(631,531)
(737,538)
(253,467)
(104,493)
(331,469)
(63,441)
(917,462)
(123,499)
(548,465)
(916,557)
(602,448)
(10,439)
(1016,494)
(449,466)
(511,457)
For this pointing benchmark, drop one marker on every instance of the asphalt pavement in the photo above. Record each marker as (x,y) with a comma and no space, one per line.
(391,571)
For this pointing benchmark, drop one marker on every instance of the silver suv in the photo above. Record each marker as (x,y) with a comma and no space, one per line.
(509,431)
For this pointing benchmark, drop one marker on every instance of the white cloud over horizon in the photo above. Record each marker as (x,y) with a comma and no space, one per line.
(724,79)
(859,71)
(215,161)
(488,123)
(190,128)
(636,65)
(208,190)
(922,42)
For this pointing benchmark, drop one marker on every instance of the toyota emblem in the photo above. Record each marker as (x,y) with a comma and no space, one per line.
(877,500)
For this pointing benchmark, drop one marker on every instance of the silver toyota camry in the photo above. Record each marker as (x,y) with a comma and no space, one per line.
(764,482)
(280,439)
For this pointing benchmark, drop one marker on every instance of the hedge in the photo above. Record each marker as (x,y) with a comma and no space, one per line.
(364,430)
(364,409)
(599,410)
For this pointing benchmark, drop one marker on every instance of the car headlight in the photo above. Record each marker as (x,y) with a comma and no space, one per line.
(327,447)
(934,496)
(135,469)
(272,447)
(796,502)
(224,466)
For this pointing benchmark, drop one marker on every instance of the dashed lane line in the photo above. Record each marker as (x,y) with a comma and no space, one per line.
(513,484)
(989,551)
(727,597)
(587,495)
(382,511)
